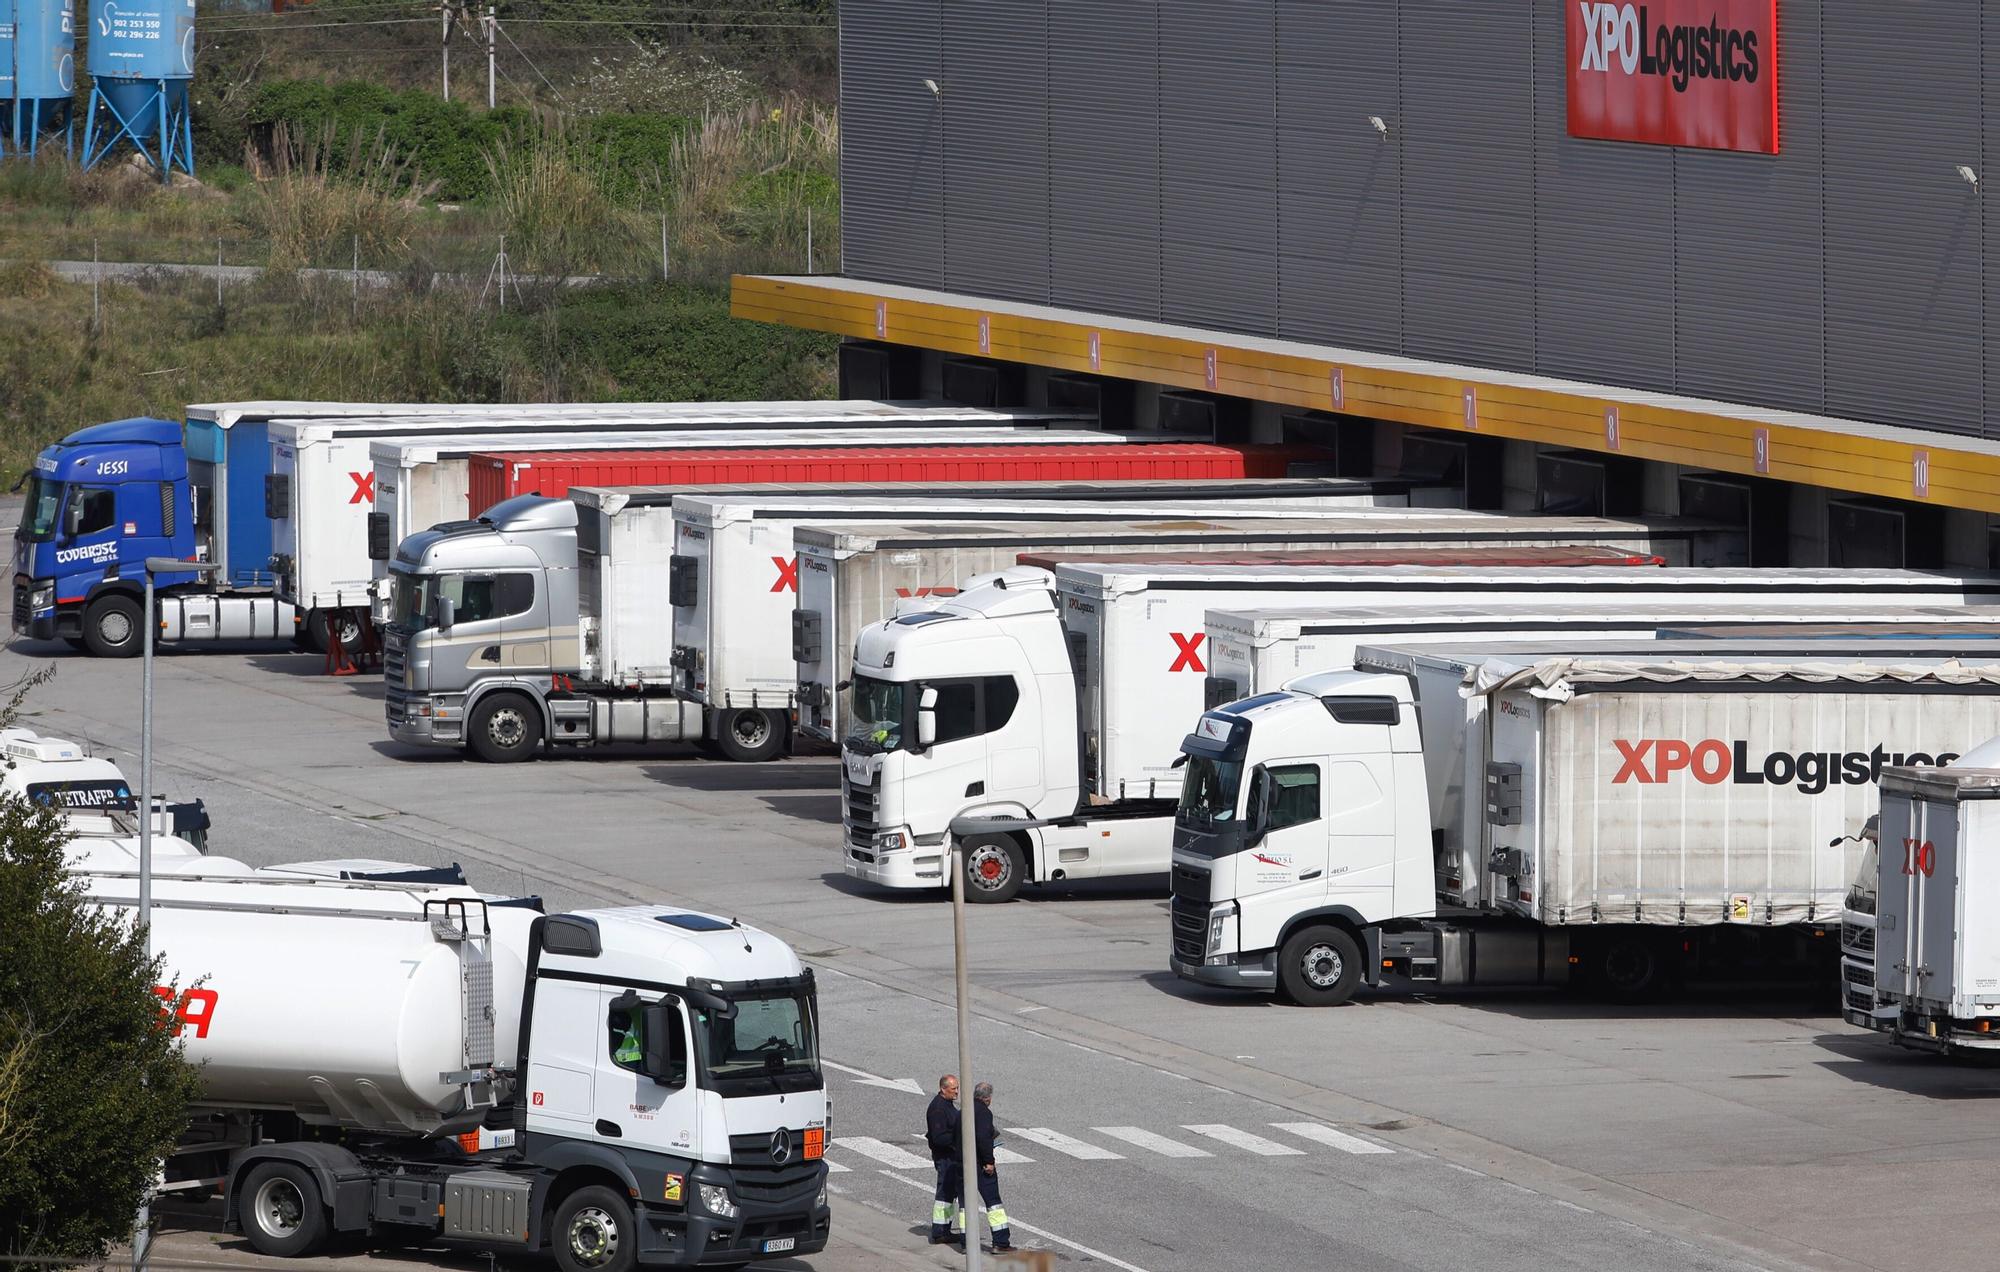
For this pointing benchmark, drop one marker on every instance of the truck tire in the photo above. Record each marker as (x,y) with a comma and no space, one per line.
(347,622)
(1319,967)
(751,737)
(1630,967)
(594,1231)
(281,1210)
(111,627)
(504,728)
(995,868)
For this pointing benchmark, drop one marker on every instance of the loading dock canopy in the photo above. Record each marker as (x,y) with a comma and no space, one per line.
(1945,469)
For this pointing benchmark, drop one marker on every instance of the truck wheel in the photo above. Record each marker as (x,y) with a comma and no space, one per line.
(281,1210)
(994,868)
(504,728)
(111,628)
(1630,968)
(751,737)
(594,1232)
(1319,967)
(345,622)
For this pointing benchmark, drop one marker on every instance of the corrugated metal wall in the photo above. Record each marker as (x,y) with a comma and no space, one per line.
(1213,164)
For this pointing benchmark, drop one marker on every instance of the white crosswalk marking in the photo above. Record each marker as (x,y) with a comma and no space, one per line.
(1321,1133)
(1245,1140)
(1064,1144)
(833,1167)
(887,1154)
(1160,1144)
(1008,1157)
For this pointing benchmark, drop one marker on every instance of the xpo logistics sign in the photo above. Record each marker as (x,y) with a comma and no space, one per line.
(1675,73)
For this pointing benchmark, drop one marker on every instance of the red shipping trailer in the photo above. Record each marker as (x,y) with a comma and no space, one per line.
(502,475)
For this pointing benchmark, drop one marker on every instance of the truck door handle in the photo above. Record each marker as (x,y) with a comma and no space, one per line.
(977,788)
(609,1130)
(1311,874)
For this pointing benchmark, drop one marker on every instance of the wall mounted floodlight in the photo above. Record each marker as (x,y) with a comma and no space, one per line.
(1375,122)
(1971,178)
(932,85)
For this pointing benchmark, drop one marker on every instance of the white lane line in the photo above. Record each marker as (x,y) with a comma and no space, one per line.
(1008,1157)
(886,1153)
(1245,1140)
(1043,1233)
(833,1167)
(1321,1133)
(1152,1143)
(1064,1144)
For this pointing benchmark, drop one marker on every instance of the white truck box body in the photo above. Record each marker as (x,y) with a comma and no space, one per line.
(422,482)
(353,1005)
(1680,785)
(323,523)
(1937,944)
(736,635)
(1257,650)
(1139,635)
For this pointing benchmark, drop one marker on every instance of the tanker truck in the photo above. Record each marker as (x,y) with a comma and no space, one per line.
(402,1061)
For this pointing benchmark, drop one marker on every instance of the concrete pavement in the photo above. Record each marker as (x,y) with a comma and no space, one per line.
(1163,1129)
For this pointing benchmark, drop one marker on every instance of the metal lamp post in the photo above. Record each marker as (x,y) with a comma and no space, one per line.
(968,1116)
(149,621)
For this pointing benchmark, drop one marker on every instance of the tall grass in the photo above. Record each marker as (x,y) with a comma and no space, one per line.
(739,189)
(308,213)
(556,213)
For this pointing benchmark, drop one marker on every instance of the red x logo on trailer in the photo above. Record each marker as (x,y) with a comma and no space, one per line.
(364,488)
(788,574)
(1188,659)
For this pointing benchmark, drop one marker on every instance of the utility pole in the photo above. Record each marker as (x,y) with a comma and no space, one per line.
(968,1116)
(492,25)
(444,43)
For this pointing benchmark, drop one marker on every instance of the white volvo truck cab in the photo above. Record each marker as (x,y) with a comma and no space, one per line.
(964,723)
(1308,815)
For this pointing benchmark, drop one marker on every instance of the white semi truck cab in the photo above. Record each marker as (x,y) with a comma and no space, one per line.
(964,723)
(91,791)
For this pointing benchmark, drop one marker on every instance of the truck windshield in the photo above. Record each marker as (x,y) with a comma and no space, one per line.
(1208,791)
(43,510)
(877,723)
(766,1048)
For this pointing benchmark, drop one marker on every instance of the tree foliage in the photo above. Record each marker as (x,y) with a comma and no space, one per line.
(93,1091)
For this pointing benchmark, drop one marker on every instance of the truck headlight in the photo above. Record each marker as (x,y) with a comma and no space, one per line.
(43,597)
(889,841)
(819,1202)
(715,1200)
(1221,929)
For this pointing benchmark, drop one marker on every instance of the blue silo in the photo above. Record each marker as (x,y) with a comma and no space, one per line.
(141,57)
(42,62)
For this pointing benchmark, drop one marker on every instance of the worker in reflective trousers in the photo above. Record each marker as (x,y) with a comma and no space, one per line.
(989,1172)
(941,1133)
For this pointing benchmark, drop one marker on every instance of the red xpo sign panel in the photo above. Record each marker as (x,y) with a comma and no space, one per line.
(1675,73)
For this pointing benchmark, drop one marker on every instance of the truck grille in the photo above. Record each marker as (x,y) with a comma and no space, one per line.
(395,663)
(21,612)
(1191,884)
(858,805)
(1190,929)
(1859,995)
(1856,939)
(775,1185)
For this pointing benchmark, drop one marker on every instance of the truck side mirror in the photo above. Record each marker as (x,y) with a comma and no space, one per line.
(72,514)
(447,614)
(666,1043)
(927,719)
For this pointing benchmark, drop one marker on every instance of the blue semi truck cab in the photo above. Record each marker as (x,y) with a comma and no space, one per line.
(101,501)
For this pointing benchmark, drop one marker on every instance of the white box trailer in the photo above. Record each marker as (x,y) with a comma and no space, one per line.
(1937,945)
(1251,651)
(425,481)
(852,576)
(1138,630)
(1675,809)
(322,485)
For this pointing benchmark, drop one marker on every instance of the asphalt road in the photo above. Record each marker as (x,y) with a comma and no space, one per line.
(1150,1126)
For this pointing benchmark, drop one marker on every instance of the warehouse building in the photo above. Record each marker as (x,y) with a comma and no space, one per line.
(1728,258)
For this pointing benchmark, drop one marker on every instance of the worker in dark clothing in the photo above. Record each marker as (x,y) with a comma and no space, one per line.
(989,1172)
(941,1133)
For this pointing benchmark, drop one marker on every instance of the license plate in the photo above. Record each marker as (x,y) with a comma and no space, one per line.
(778,1245)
